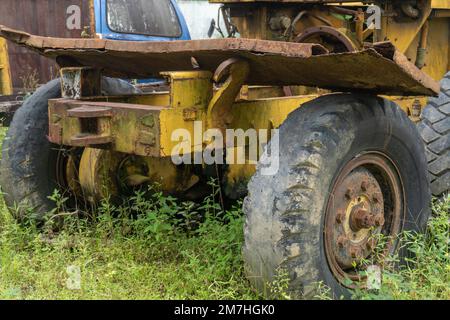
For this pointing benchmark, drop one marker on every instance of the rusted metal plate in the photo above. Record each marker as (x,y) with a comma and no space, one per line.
(123,127)
(44,17)
(379,69)
(80,82)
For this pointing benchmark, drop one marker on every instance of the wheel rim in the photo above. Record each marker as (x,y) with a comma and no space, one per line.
(367,200)
(66,170)
(334,40)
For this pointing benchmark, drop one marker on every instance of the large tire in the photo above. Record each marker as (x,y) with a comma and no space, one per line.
(285,213)
(28,166)
(435,131)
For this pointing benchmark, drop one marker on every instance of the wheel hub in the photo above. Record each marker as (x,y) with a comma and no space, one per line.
(359,214)
(362,218)
(366,201)
(107,174)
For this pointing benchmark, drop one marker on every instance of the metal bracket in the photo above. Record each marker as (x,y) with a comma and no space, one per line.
(219,108)
(77,83)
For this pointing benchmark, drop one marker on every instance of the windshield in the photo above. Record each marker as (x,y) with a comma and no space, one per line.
(146,17)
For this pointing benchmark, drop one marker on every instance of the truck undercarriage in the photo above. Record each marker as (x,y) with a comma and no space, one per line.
(311,74)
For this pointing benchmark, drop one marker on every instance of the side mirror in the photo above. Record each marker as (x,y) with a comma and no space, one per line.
(212,28)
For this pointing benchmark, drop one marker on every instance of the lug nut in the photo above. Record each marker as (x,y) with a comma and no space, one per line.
(376,198)
(355,252)
(341,241)
(379,220)
(340,216)
(364,186)
(349,194)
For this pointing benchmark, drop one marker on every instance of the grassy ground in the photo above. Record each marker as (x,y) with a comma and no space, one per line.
(140,251)
(124,258)
(426,275)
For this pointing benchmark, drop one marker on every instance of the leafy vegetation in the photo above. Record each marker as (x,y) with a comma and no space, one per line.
(122,256)
(160,248)
(155,256)
(426,273)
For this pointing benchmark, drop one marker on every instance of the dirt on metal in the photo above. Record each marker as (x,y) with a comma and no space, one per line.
(379,69)
(360,210)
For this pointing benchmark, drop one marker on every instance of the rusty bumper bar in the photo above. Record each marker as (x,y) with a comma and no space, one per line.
(127,128)
(380,69)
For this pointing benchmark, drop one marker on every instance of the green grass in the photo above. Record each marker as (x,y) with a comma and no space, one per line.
(426,274)
(155,256)
(160,249)
(152,256)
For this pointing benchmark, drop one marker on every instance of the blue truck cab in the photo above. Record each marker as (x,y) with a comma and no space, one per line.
(140,20)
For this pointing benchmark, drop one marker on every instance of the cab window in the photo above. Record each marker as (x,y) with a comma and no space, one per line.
(145,17)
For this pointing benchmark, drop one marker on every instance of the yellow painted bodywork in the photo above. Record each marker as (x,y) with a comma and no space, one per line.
(440,4)
(253,21)
(195,97)
(406,35)
(190,93)
(103,173)
(5,72)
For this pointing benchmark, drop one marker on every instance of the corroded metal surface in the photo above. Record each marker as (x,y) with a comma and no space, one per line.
(367,200)
(80,82)
(43,17)
(379,69)
(124,127)
(235,72)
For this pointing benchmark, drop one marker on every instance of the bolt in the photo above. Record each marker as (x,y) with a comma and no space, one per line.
(376,198)
(379,220)
(355,252)
(340,216)
(349,194)
(361,219)
(341,241)
(364,186)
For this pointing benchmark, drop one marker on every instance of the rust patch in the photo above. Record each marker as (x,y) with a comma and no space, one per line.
(126,128)
(379,69)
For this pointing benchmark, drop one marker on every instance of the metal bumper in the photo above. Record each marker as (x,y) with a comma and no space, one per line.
(127,128)
(379,69)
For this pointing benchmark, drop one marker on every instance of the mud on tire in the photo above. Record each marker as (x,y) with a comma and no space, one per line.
(285,213)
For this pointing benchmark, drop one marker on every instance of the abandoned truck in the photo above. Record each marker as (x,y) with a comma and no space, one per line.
(338,85)
(22,70)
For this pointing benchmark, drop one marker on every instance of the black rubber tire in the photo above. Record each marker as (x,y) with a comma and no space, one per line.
(435,131)
(28,166)
(285,212)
